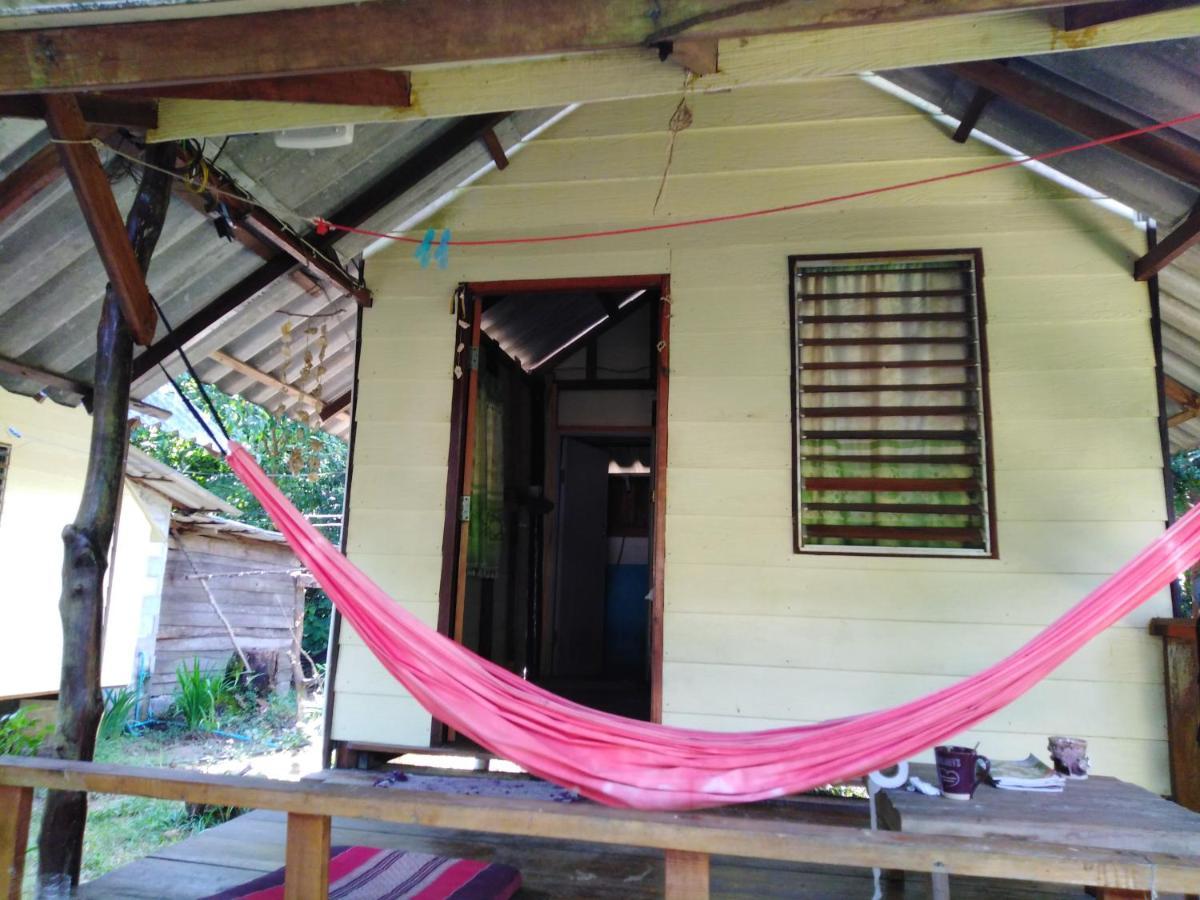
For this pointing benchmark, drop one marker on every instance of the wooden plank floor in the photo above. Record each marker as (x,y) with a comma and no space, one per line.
(252,844)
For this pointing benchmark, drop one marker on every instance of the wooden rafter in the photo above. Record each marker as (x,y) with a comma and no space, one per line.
(970,118)
(336,405)
(1172,159)
(31,177)
(44,377)
(271,381)
(1089,15)
(99,207)
(356,211)
(97,109)
(367,87)
(1185,397)
(494,148)
(389,33)
(263,233)
(1185,236)
(700,57)
(211,314)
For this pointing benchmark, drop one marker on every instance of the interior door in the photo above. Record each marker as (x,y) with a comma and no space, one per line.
(582,557)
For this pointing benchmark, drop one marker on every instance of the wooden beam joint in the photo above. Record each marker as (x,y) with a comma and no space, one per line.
(1170,248)
(79,158)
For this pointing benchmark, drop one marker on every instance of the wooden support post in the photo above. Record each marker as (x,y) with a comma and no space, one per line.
(307,874)
(1182,676)
(65,122)
(15,806)
(686,875)
(88,539)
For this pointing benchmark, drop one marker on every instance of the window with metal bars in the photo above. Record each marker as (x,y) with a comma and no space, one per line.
(5,452)
(890,405)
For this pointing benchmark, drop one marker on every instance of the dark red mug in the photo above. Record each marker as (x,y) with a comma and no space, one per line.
(960,771)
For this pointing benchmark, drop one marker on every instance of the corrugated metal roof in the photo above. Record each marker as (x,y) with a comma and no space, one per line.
(1139,84)
(52,282)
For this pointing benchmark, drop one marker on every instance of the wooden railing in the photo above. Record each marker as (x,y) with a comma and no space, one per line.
(686,839)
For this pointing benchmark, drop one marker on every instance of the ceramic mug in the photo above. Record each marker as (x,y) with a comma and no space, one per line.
(960,771)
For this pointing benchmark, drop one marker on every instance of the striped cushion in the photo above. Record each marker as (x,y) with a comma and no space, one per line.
(367,873)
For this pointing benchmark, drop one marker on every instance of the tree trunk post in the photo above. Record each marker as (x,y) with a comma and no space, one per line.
(86,543)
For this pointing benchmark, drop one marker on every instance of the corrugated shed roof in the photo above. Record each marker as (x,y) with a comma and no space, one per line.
(183,493)
(1139,84)
(52,281)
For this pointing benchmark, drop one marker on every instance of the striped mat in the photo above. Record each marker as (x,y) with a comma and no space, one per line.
(367,873)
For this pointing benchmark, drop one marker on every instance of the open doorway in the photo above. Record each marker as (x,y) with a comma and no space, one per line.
(553,496)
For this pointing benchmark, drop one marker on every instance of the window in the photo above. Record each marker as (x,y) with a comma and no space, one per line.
(890,405)
(5,452)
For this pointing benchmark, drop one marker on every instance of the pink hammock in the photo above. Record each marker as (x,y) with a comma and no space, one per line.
(623,762)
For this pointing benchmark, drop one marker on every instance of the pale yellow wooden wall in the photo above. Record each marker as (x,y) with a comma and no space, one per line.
(46,473)
(754,634)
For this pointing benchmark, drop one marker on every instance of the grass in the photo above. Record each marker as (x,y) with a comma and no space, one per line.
(119,831)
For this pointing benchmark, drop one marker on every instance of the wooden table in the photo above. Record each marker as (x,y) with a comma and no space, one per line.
(1096,812)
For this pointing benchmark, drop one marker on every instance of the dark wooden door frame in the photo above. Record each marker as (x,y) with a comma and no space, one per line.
(468,309)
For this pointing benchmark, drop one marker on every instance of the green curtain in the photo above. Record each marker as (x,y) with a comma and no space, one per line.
(485,531)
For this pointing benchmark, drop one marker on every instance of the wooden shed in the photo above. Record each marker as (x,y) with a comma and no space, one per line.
(228,586)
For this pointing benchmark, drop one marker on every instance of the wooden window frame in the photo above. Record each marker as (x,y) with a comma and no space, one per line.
(5,465)
(992,550)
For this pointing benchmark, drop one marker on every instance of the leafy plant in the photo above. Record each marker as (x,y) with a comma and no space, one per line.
(318,613)
(199,694)
(21,734)
(118,709)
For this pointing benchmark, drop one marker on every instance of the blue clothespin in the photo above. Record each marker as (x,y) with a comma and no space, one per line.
(442,255)
(423,251)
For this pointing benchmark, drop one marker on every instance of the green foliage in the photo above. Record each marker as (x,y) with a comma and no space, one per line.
(201,695)
(21,734)
(1185,477)
(318,613)
(118,709)
(308,465)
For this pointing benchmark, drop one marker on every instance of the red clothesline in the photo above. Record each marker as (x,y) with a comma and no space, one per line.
(324,226)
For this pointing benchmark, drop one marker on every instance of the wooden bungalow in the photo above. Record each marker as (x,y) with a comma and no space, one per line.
(777,385)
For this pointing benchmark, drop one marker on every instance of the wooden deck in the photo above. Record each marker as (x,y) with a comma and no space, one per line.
(254,843)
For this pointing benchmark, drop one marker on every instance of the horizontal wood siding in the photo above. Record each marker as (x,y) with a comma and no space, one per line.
(754,634)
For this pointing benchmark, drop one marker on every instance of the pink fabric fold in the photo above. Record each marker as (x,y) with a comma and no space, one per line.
(629,763)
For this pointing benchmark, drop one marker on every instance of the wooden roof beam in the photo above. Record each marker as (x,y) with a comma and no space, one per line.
(44,377)
(614,74)
(390,34)
(1089,15)
(336,405)
(1185,397)
(971,116)
(356,211)
(1172,159)
(1185,236)
(365,87)
(264,234)
(82,164)
(270,381)
(97,109)
(187,331)
(31,177)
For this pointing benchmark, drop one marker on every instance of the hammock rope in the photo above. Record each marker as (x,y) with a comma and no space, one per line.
(630,763)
